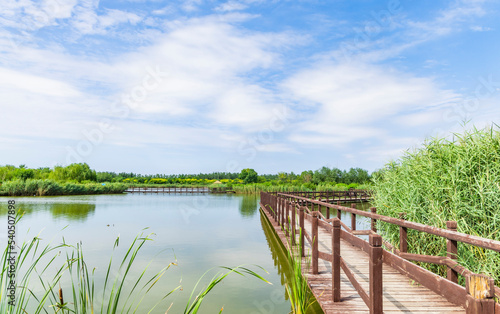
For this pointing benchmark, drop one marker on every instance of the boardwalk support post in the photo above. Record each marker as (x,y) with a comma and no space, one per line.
(353,218)
(336,260)
(480,294)
(339,212)
(315,239)
(278,209)
(293,224)
(301,225)
(287,218)
(374,221)
(452,252)
(376,296)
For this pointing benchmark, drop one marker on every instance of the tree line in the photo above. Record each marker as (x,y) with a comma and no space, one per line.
(81,172)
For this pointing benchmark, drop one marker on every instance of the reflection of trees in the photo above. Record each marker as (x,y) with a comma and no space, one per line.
(279,255)
(280,258)
(74,212)
(248,206)
(78,212)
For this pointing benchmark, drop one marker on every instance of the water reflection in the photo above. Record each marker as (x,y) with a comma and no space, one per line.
(249,206)
(67,211)
(280,259)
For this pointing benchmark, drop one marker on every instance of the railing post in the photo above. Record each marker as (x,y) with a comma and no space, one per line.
(452,252)
(376,293)
(314,237)
(353,218)
(283,213)
(339,212)
(327,212)
(403,237)
(278,210)
(480,294)
(287,218)
(336,260)
(283,218)
(293,224)
(301,225)
(374,221)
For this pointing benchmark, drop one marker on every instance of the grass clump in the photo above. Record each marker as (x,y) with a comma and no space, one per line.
(446,179)
(297,289)
(45,285)
(37,187)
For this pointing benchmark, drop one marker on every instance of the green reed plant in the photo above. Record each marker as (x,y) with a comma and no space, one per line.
(120,294)
(297,289)
(193,305)
(37,187)
(446,179)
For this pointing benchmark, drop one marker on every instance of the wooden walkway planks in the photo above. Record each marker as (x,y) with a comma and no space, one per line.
(400,294)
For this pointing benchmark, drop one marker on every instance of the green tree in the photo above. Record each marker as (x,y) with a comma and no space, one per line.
(249,176)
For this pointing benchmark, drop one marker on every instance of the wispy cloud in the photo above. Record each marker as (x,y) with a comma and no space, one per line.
(207,77)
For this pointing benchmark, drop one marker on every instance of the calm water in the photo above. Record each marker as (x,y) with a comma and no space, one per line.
(198,232)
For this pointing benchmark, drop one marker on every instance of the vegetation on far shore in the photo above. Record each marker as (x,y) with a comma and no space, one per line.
(78,179)
(454,179)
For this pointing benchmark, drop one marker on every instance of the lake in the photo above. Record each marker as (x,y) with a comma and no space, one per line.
(199,232)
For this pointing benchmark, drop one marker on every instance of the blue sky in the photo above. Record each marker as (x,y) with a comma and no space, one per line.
(188,86)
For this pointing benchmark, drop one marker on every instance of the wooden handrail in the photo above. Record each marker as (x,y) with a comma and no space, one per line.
(397,259)
(448,234)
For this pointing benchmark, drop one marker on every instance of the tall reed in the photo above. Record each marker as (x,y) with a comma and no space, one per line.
(447,179)
(40,278)
(297,288)
(47,187)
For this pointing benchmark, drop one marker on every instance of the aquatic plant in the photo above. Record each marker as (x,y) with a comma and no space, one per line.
(455,179)
(43,286)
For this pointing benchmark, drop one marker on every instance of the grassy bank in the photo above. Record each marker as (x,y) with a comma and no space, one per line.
(34,187)
(454,179)
(263,187)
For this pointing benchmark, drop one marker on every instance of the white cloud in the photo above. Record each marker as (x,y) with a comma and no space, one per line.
(204,92)
(26,83)
(33,15)
(354,101)
(477,28)
(449,20)
(87,21)
(231,6)
(191,5)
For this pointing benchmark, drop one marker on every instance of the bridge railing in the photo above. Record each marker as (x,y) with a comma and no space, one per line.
(285,206)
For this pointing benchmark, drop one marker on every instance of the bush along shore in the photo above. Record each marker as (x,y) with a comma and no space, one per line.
(78,179)
(35,187)
(447,179)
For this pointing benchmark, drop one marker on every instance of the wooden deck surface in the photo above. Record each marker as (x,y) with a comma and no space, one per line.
(401,295)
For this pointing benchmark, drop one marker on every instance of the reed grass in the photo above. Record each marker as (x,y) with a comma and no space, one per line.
(300,296)
(32,187)
(265,187)
(120,294)
(447,179)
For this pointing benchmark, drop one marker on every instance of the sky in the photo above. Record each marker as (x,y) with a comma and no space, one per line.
(190,86)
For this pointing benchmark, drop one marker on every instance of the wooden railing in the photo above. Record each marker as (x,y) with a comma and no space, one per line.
(284,208)
(329,196)
(133,189)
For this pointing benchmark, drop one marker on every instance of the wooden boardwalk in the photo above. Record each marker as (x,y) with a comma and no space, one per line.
(174,190)
(400,290)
